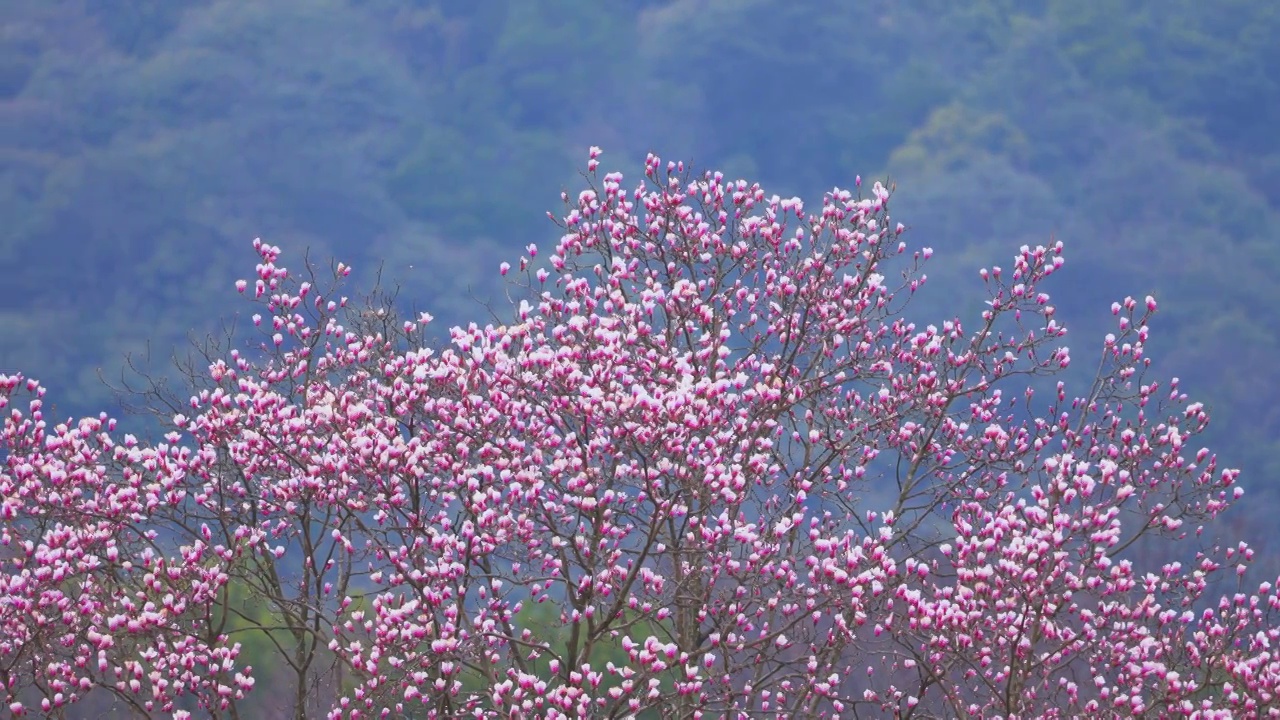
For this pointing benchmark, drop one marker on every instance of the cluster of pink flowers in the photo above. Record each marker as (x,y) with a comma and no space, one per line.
(706,467)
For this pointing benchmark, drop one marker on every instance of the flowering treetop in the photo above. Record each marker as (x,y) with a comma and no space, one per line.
(706,467)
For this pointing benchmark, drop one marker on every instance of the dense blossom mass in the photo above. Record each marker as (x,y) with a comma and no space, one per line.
(705,467)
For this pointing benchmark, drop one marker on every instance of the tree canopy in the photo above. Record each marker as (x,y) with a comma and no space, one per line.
(705,462)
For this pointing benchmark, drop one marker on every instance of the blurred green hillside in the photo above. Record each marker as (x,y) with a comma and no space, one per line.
(145,143)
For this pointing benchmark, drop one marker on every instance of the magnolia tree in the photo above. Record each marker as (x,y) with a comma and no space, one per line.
(706,467)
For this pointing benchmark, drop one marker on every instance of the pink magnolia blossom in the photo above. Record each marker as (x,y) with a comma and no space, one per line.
(707,467)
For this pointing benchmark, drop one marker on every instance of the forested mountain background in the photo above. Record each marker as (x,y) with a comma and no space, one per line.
(145,143)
